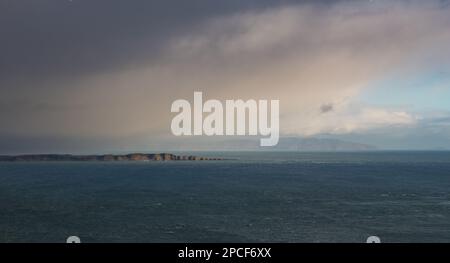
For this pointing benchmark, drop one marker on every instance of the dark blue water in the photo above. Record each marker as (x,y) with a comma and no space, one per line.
(256,197)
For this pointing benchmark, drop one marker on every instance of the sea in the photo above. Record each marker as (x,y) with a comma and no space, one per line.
(247,197)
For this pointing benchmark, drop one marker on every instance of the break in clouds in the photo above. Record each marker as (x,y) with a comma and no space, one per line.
(317,58)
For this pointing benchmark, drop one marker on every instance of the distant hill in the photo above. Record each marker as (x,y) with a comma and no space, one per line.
(252,144)
(103,158)
(321,145)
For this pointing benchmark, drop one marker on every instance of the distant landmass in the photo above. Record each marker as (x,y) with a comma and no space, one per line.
(106,157)
(237,144)
(321,145)
(252,144)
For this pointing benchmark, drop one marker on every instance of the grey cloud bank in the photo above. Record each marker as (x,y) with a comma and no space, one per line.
(106,72)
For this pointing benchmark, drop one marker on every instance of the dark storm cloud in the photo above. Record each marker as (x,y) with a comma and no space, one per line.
(47,45)
(49,37)
(87,75)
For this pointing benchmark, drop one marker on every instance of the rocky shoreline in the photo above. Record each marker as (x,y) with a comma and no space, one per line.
(103,158)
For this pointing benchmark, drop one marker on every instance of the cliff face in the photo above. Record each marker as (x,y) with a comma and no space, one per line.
(104,158)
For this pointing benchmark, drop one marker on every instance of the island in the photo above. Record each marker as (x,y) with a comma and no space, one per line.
(103,158)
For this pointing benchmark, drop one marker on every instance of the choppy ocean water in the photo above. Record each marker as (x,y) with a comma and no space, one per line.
(252,197)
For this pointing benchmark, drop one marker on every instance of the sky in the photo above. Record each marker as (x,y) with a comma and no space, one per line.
(85,76)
